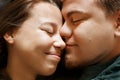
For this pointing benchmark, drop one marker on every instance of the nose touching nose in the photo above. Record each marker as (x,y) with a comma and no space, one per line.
(65,33)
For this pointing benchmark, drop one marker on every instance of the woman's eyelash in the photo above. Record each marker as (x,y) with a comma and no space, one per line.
(48,31)
(48,28)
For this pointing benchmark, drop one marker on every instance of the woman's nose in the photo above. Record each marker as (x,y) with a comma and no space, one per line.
(59,43)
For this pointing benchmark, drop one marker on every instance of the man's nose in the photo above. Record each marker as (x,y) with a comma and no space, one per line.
(65,31)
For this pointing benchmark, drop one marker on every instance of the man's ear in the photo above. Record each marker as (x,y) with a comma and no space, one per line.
(9,38)
(117,31)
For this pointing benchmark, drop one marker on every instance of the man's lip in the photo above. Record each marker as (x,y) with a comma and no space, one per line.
(70,45)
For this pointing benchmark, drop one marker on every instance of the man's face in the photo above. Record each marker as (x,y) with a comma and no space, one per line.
(88,33)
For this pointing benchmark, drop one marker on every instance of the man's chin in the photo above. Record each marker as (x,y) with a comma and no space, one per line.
(70,64)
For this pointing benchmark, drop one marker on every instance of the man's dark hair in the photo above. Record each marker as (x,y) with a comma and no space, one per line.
(110,6)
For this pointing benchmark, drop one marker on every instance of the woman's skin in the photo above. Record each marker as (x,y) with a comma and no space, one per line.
(35,48)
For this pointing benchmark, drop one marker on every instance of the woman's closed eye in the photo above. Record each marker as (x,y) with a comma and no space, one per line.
(47,28)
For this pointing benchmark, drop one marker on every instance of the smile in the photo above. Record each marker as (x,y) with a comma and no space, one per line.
(71,45)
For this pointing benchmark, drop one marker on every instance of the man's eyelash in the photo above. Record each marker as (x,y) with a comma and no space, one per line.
(76,20)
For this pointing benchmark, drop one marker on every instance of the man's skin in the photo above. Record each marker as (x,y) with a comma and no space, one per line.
(92,34)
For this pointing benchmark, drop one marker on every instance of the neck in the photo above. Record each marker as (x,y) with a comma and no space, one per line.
(17,70)
(113,54)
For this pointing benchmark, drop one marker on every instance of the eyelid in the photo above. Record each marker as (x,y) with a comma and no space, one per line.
(76,16)
(48,28)
(77,21)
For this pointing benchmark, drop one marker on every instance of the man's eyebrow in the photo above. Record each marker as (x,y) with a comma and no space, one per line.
(72,12)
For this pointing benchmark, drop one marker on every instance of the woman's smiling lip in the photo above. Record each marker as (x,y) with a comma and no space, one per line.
(55,55)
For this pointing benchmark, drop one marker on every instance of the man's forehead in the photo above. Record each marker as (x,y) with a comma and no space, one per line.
(92,0)
(62,0)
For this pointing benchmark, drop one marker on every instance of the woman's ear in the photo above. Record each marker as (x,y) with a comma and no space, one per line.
(117,31)
(9,38)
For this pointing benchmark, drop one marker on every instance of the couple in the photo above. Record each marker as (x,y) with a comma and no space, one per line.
(31,38)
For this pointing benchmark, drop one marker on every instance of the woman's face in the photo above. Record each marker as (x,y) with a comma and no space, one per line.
(36,46)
